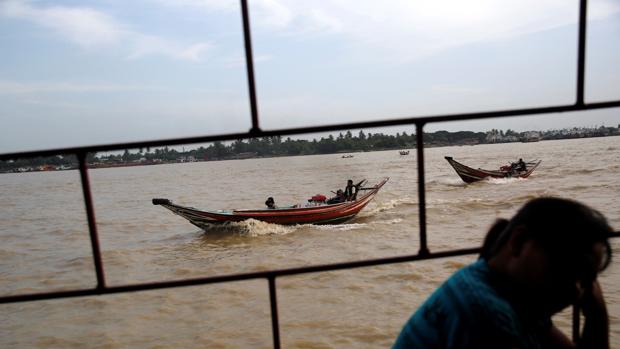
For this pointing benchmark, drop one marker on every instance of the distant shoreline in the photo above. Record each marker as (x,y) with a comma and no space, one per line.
(385,143)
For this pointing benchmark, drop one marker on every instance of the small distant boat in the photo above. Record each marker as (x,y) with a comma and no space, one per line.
(347,156)
(469,175)
(246,155)
(320,213)
(404,152)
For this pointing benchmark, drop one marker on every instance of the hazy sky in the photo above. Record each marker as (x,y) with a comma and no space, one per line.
(92,72)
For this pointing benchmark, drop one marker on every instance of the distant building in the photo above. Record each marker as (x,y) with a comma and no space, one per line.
(530,136)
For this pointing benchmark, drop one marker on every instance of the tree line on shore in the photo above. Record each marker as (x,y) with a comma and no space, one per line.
(258,147)
(277,146)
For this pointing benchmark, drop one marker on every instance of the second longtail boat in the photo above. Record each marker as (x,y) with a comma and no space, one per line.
(469,175)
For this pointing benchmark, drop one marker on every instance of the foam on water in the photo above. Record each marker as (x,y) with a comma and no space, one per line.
(502,181)
(251,227)
(491,202)
(388,205)
(448,181)
(388,222)
(341,227)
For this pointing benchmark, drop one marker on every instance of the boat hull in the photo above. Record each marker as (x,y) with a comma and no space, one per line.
(470,175)
(323,214)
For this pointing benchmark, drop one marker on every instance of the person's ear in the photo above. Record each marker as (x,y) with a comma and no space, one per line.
(517,240)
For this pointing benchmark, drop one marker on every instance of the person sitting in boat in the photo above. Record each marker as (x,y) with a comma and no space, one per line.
(349,193)
(271,204)
(517,167)
(340,197)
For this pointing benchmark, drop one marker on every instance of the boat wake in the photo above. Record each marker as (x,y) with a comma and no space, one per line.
(388,205)
(450,182)
(502,181)
(588,171)
(485,203)
(389,222)
(254,228)
(250,227)
(341,227)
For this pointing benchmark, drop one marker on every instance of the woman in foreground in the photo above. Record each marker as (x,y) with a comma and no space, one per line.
(544,259)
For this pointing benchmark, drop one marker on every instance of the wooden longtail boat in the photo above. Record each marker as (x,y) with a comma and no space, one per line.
(319,214)
(470,175)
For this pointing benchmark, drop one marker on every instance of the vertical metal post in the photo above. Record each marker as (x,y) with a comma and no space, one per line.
(274,312)
(581,52)
(250,66)
(421,188)
(92,224)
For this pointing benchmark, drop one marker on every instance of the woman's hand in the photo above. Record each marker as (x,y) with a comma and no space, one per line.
(592,301)
(596,327)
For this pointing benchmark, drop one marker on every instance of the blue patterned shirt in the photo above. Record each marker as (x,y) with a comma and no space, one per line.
(468,312)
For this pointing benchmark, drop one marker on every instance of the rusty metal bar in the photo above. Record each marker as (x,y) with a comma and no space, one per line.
(249,62)
(314,129)
(238,277)
(92,224)
(421,188)
(581,68)
(273,301)
(581,51)
(234,277)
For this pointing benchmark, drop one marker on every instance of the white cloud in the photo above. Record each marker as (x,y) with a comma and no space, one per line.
(92,29)
(602,8)
(272,13)
(146,45)
(415,28)
(207,5)
(400,28)
(428,26)
(195,52)
(285,17)
(12,87)
(83,26)
(410,28)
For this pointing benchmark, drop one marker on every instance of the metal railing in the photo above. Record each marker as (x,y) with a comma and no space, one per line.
(255,131)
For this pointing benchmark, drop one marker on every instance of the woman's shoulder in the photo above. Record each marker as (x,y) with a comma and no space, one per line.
(473,289)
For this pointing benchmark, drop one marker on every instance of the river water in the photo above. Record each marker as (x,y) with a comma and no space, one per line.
(45,245)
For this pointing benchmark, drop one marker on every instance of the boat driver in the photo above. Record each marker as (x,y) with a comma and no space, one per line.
(349,194)
(518,166)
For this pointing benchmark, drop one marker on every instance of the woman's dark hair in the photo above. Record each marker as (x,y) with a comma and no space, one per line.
(492,236)
(560,225)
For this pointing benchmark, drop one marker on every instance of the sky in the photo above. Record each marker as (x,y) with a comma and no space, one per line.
(75,73)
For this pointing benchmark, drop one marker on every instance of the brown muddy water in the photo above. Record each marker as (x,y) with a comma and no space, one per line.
(45,245)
